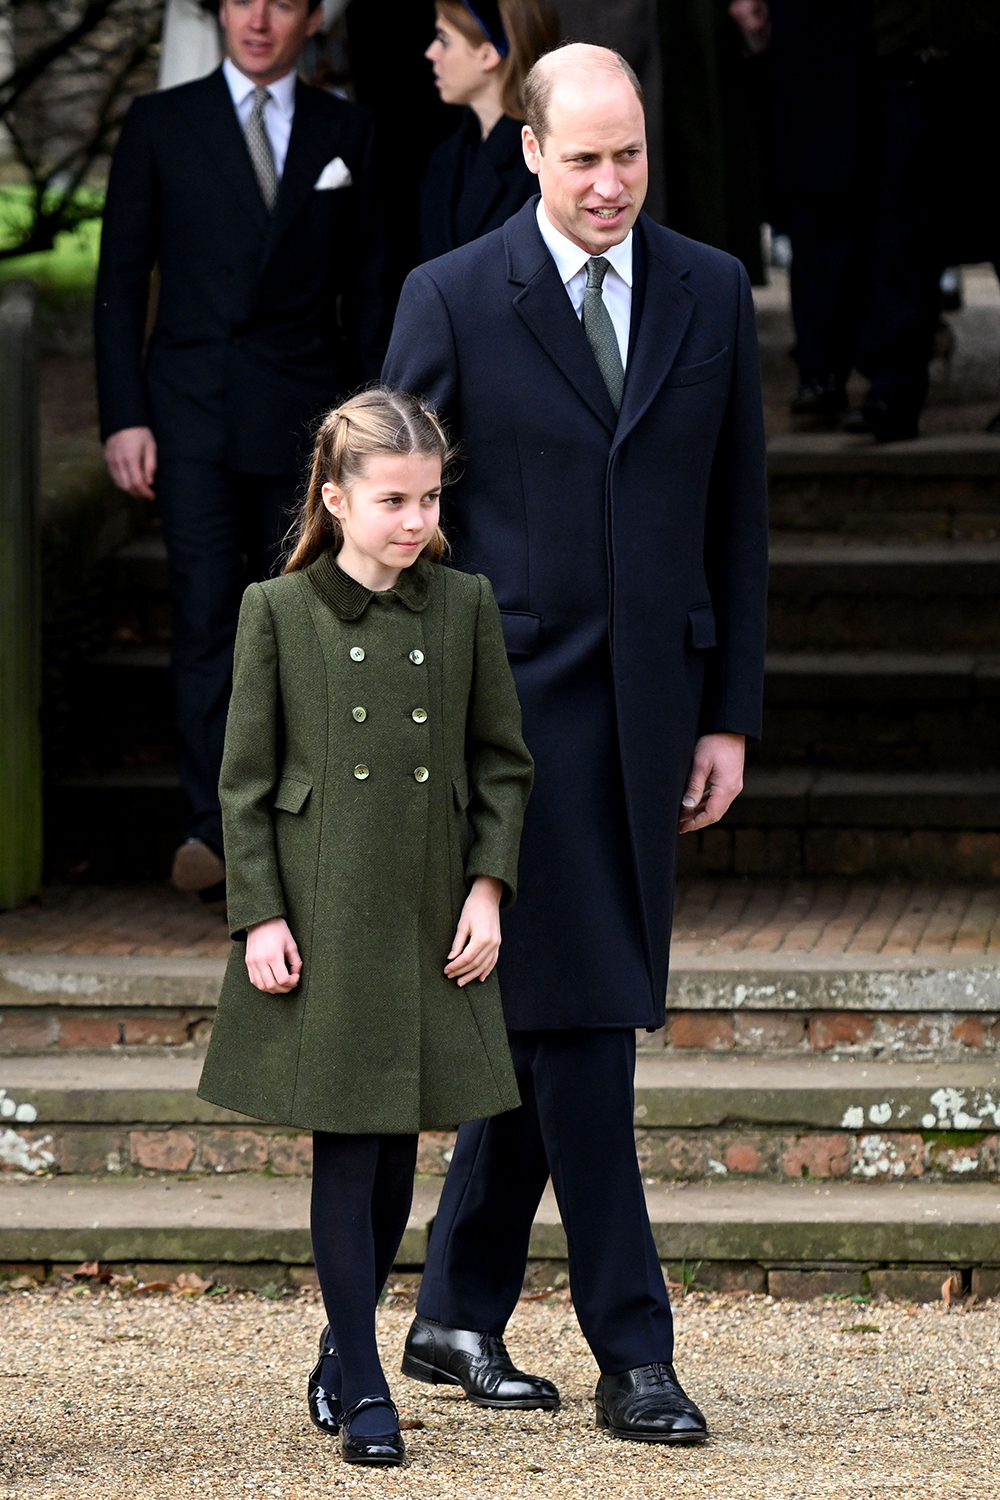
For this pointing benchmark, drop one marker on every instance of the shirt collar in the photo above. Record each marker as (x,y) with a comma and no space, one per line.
(570,259)
(349,599)
(282,90)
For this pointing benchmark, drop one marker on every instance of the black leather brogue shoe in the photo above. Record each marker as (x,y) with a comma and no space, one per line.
(478,1362)
(819,396)
(325,1409)
(648,1405)
(383,1451)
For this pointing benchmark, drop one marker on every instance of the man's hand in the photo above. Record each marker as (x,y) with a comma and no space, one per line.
(716,780)
(477,941)
(131,458)
(273,961)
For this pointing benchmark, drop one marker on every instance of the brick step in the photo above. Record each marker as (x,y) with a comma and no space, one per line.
(937,488)
(880,711)
(905,825)
(860,1236)
(905,1005)
(696,1116)
(899,597)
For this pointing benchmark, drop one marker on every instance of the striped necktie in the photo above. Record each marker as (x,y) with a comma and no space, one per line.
(259,146)
(600,330)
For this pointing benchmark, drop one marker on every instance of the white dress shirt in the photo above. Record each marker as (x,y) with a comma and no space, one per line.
(571,263)
(279,111)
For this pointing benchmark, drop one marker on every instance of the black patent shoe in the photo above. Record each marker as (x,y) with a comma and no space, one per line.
(819,396)
(383,1451)
(325,1409)
(478,1362)
(648,1405)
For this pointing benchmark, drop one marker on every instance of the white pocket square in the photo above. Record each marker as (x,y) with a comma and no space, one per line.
(336,174)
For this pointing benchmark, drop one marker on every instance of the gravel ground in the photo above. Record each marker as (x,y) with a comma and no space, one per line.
(106,1396)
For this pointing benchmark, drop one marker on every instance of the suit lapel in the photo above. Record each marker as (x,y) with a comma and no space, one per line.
(544,305)
(663,315)
(309,150)
(214,121)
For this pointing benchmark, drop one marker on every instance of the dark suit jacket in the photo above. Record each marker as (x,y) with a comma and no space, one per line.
(262,320)
(472,186)
(640,542)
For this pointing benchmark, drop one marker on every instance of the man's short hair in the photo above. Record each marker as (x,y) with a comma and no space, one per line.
(541,79)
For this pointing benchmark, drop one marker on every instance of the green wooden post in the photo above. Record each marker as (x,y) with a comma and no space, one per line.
(20,633)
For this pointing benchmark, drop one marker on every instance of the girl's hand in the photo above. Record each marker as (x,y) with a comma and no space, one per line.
(273,961)
(477,941)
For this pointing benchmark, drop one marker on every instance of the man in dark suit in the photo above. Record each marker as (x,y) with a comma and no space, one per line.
(252,195)
(601,374)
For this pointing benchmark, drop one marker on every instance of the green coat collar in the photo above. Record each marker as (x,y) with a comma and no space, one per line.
(349,599)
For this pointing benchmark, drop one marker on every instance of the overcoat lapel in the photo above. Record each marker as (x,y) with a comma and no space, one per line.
(310,147)
(664,314)
(213,119)
(545,307)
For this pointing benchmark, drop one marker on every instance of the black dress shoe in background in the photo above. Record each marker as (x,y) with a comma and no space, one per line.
(383,1450)
(648,1405)
(994,425)
(819,396)
(478,1362)
(856,423)
(325,1409)
(889,423)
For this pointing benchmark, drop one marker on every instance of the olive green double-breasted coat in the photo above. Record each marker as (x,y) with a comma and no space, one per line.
(373,768)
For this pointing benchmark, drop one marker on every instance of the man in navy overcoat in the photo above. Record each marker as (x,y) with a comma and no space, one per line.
(601,375)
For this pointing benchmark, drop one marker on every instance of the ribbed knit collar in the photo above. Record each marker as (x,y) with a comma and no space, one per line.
(349,599)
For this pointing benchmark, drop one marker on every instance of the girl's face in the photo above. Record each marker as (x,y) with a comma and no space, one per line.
(388,516)
(461,71)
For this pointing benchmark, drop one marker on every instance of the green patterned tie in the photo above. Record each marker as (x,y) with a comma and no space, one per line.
(259,146)
(600,330)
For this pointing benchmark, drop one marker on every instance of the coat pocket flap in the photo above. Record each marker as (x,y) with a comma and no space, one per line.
(701,626)
(520,631)
(460,787)
(291,794)
(695,374)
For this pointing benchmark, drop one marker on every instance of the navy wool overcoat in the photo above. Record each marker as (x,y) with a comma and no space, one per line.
(628,555)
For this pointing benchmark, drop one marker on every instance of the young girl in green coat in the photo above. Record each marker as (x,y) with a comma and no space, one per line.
(373,788)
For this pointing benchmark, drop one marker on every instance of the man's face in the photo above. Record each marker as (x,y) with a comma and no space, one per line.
(593,172)
(265,37)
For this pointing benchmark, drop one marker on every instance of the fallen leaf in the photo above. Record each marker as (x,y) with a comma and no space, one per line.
(156,1286)
(950,1287)
(411,1424)
(192,1283)
(88,1269)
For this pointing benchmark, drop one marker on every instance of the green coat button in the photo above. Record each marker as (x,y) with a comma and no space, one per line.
(416,657)
(419,716)
(421,773)
(362,773)
(357,653)
(360,714)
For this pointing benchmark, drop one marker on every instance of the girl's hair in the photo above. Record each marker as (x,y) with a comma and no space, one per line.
(374,422)
(531,27)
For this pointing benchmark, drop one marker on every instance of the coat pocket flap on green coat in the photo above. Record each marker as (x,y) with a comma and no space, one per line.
(460,786)
(291,794)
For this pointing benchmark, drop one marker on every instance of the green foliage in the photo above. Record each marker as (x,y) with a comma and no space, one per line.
(71,265)
(953,1137)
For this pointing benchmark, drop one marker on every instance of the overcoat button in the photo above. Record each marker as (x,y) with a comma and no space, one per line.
(357,653)
(416,657)
(362,773)
(419,716)
(360,714)
(421,773)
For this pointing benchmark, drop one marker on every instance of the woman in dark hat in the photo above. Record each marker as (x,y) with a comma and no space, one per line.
(477,177)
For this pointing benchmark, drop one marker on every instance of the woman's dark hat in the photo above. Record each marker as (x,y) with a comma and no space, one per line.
(487,13)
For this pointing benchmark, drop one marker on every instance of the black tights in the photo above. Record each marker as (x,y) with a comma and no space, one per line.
(362,1188)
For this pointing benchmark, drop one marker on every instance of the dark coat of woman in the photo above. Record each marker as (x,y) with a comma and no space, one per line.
(472,185)
(373,768)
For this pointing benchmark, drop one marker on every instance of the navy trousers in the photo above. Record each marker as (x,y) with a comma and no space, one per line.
(575,1124)
(223,530)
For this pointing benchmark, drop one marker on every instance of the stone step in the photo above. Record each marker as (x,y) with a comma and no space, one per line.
(697,1116)
(745,1229)
(880,711)
(937,488)
(898,597)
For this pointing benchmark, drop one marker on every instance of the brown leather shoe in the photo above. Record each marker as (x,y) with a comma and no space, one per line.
(197,867)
